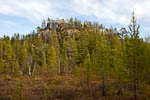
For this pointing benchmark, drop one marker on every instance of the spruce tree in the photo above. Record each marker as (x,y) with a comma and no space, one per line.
(134,33)
(103,61)
(87,69)
(51,60)
(71,53)
(16,68)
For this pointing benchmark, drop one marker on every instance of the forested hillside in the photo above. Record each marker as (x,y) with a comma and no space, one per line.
(100,63)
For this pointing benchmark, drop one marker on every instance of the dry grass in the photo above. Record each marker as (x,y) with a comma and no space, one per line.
(60,87)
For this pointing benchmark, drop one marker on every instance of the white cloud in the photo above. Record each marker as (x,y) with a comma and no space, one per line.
(33,10)
(108,9)
(142,8)
(115,11)
(118,11)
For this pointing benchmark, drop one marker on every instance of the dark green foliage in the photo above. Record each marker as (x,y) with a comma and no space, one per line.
(112,57)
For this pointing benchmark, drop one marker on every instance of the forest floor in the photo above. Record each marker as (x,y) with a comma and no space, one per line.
(60,87)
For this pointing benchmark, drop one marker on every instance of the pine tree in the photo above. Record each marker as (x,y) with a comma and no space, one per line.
(44,64)
(134,32)
(8,55)
(16,69)
(23,55)
(76,23)
(2,66)
(87,68)
(54,42)
(39,54)
(2,62)
(103,60)
(82,46)
(51,60)
(72,24)
(64,57)
(71,53)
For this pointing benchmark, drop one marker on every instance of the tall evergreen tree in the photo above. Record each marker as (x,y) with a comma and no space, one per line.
(103,60)
(134,33)
(51,60)
(87,68)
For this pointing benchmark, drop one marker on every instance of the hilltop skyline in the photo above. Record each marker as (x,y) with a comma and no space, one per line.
(23,16)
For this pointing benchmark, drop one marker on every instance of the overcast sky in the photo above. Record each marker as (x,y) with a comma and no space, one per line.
(22,16)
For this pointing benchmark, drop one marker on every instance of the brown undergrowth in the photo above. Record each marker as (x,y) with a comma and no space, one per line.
(60,87)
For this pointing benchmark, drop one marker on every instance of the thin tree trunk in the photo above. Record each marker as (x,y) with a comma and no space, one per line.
(134,71)
(29,70)
(34,66)
(59,65)
(81,73)
(29,65)
(120,90)
(103,76)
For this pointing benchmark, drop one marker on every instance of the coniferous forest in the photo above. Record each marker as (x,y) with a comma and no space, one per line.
(74,60)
